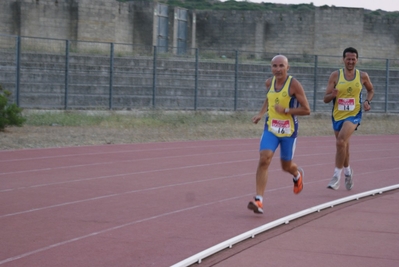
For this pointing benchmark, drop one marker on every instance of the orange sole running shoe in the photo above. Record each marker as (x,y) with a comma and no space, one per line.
(298,185)
(256,206)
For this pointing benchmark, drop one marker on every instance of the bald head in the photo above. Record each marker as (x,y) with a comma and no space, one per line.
(280,58)
(280,67)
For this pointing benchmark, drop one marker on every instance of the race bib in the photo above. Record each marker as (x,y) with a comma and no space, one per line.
(347,104)
(281,126)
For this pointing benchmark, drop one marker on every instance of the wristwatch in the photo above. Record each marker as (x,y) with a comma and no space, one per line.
(367,101)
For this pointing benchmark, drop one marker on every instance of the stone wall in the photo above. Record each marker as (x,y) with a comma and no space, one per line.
(143,31)
(381,37)
(219,85)
(323,30)
(338,28)
(257,31)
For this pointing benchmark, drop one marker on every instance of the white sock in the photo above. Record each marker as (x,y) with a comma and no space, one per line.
(297,177)
(337,172)
(347,170)
(260,198)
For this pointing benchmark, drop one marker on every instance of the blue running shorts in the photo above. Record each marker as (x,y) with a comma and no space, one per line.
(269,141)
(337,125)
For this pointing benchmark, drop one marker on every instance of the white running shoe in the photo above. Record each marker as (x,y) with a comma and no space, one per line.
(334,183)
(349,180)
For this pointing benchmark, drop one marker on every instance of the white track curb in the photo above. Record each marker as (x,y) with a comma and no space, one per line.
(197,258)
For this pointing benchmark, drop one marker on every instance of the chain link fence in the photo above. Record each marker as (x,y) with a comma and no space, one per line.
(47,73)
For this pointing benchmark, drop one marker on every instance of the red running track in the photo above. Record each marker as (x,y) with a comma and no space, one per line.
(156,204)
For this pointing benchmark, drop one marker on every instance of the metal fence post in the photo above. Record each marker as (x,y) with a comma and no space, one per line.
(154,78)
(18,69)
(315,83)
(386,85)
(196,80)
(66,74)
(236,82)
(111,74)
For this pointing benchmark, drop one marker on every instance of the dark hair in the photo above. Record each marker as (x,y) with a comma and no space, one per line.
(350,50)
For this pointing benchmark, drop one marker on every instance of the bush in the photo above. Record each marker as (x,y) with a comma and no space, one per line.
(10,114)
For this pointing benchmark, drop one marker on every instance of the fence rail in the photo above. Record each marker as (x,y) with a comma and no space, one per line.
(47,73)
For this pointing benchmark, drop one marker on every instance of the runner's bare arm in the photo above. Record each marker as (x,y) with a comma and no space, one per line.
(263,110)
(370,90)
(331,92)
(300,95)
(296,90)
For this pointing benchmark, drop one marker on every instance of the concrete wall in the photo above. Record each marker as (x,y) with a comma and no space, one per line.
(284,32)
(143,31)
(42,83)
(9,18)
(323,30)
(381,37)
(338,28)
(85,20)
(47,18)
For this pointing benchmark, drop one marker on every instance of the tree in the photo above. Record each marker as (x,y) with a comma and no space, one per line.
(10,114)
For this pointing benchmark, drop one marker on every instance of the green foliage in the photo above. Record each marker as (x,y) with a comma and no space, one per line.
(392,15)
(383,15)
(10,114)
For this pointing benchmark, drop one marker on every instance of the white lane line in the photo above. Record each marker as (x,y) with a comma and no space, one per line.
(197,258)
(171,157)
(174,185)
(125,161)
(122,151)
(240,142)
(123,193)
(176,168)
(113,228)
(133,173)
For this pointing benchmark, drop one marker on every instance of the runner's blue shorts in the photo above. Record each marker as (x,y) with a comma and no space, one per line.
(337,125)
(269,141)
